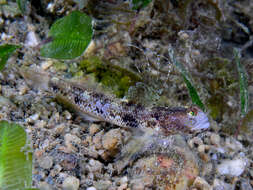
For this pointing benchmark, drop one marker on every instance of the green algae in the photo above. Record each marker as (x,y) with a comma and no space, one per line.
(114,77)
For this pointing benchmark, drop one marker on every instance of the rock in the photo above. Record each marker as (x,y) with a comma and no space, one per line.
(202,148)
(93,129)
(232,167)
(31,39)
(46,64)
(91,188)
(45,186)
(112,140)
(56,170)
(70,183)
(233,144)
(215,139)
(70,140)
(195,141)
(33,118)
(221,185)
(174,171)
(95,166)
(201,184)
(67,115)
(97,140)
(46,162)
(103,184)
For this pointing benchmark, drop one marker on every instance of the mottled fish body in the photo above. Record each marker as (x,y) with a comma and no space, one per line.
(100,107)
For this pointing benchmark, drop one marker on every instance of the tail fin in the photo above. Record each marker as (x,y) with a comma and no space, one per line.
(35,78)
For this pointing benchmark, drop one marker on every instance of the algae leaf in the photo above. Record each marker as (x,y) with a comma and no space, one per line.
(22,5)
(5,52)
(15,160)
(137,4)
(192,91)
(244,95)
(70,36)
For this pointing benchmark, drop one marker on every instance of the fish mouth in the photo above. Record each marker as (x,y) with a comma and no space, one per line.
(202,124)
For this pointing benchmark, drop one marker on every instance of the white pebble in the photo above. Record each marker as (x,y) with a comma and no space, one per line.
(31,39)
(46,64)
(215,139)
(71,183)
(46,162)
(232,167)
(91,188)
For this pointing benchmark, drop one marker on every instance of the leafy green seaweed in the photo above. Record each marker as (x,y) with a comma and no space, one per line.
(70,36)
(192,91)
(15,159)
(137,4)
(5,52)
(244,95)
(22,5)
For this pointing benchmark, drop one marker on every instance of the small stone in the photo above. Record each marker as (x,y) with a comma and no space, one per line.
(233,144)
(67,115)
(90,152)
(46,162)
(123,180)
(69,139)
(46,64)
(93,129)
(111,140)
(232,167)
(33,118)
(202,148)
(215,139)
(44,186)
(71,183)
(31,39)
(58,129)
(122,187)
(56,170)
(195,141)
(95,166)
(91,188)
(221,185)
(201,184)
(22,89)
(97,140)
(137,185)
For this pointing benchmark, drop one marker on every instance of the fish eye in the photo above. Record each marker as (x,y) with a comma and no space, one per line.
(192,113)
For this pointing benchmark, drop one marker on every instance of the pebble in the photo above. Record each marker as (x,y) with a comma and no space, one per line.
(71,183)
(233,144)
(31,39)
(69,139)
(201,184)
(91,188)
(56,170)
(221,185)
(46,162)
(22,89)
(46,64)
(97,140)
(93,129)
(95,166)
(215,139)
(195,140)
(232,167)
(112,139)
(67,115)
(44,186)
(33,118)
